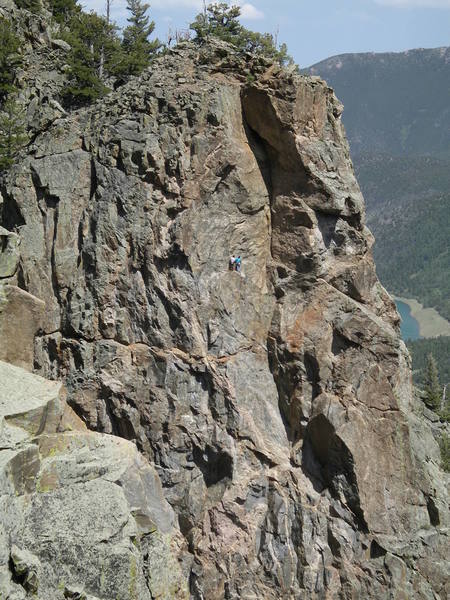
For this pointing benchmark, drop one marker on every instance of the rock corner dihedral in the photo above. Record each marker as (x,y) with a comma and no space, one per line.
(277,449)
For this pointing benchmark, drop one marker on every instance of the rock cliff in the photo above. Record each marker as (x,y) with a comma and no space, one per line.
(275,405)
(81,513)
(43,70)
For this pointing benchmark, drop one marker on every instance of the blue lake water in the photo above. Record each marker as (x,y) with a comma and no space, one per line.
(409,326)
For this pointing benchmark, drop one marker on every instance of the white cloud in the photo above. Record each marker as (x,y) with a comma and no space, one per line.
(118,7)
(119,11)
(250,12)
(99,5)
(168,4)
(415,3)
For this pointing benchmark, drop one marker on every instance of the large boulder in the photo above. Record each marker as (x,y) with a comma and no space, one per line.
(80,512)
(9,253)
(21,316)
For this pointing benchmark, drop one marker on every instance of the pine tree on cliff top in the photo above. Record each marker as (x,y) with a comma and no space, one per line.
(221,21)
(64,10)
(139,50)
(94,55)
(433,390)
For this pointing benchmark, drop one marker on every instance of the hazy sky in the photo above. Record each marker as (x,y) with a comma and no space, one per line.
(317,29)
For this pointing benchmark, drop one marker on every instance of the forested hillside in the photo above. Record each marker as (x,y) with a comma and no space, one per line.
(440,348)
(397,117)
(395,103)
(410,218)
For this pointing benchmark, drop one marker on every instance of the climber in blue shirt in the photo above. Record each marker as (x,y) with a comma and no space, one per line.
(237,263)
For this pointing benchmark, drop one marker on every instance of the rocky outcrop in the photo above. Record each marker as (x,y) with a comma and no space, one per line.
(21,316)
(276,404)
(43,70)
(82,514)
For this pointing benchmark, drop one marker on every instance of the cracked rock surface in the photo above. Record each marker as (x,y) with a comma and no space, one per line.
(79,510)
(275,405)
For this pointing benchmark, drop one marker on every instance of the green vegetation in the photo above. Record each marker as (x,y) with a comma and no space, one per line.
(395,103)
(94,56)
(12,132)
(426,375)
(10,58)
(433,389)
(98,57)
(12,119)
(64,10)
(412,253)
(431,372)
(397,120)
(413,256)
(445,452)
(394,181)
(219,20)
(222,21)
(440,348)
(33,6)
(407,210)
(138,49)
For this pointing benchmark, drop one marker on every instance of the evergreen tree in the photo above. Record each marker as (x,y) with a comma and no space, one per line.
(95,54)
(10,57)
(444,444)
(264,44)
(64,10)
(433,389)
(445,403)
(139,50)
(33,6)
(221,21)
(12,132)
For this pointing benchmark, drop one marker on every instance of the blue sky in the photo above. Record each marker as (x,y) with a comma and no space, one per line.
(317,29)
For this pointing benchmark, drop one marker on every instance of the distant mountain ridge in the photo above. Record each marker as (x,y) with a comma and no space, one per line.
(397,118)
(396,103)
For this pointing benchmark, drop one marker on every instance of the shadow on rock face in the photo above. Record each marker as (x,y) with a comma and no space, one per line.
(335,463)
(215,465)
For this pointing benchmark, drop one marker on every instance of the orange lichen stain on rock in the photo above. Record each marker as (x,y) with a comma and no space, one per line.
(310,110)
(305,322)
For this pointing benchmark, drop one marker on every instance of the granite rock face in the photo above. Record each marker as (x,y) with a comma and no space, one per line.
(21,316)
(9,257)
(81,512)
(276,404)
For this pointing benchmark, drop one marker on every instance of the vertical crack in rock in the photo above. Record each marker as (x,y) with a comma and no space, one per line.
(329,453)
